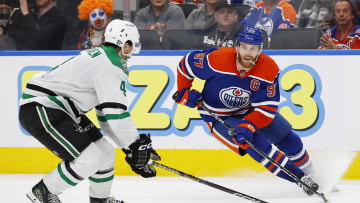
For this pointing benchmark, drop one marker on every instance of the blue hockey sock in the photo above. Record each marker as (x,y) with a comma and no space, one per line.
(284,161)
(292,146)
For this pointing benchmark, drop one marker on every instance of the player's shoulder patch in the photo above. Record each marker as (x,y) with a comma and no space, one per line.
(223,59)
(265,69)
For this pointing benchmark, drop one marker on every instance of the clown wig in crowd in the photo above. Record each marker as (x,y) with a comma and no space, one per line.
(98,13)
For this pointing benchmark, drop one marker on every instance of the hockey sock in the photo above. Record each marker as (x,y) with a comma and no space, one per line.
(101,183)
(292,146)
(284,161)
(61,178)
(68,174)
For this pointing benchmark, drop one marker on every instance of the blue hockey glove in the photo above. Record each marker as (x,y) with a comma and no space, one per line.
(138,155)
(188,97)
(245,131)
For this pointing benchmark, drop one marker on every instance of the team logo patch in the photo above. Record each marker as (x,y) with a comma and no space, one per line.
(235,97)
(267,25)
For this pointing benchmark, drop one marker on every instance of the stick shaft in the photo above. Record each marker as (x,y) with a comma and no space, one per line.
(205,182)
(232,131)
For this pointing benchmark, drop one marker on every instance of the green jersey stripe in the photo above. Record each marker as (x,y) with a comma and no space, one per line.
(54,99)
(113,116)
(27,96)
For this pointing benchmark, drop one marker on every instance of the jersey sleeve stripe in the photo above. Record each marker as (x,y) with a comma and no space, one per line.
(187,66)
(181,71)
(113,105)
(113,116)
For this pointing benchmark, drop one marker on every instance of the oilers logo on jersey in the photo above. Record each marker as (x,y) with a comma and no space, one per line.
(235,97)
(267,25)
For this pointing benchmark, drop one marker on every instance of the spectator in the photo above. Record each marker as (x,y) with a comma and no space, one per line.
(344,35)
(43,29)
(224,32)
(97,12)
(201,18)
(160,16)
(69,9)
(271,15)
(6,12)
(315,14)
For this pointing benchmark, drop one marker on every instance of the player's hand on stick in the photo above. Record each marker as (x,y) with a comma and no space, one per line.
(188,97)
(245,131)
(138,156)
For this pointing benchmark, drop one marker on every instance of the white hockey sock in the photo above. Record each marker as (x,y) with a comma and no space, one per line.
(302,160)
(101,181)
(69,174)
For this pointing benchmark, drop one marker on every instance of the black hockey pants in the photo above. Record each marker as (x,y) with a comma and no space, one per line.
(57,131)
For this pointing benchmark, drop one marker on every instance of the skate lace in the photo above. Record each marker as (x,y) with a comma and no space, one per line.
(53,198)
(112,200)
(308,181)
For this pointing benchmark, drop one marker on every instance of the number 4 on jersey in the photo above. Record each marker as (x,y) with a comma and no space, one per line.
(123,87)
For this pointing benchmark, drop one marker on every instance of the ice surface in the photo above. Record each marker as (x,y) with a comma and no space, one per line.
(180,190)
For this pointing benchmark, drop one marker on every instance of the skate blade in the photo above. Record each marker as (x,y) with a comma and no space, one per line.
(32,197)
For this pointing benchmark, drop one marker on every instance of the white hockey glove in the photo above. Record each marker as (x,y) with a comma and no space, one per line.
(139,154)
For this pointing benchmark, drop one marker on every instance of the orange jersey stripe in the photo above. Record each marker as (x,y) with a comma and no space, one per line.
(218,137)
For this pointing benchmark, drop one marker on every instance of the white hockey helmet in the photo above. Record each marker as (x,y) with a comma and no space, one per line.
(118,32)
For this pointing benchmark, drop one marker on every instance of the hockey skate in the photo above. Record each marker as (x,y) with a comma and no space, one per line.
(40,194)
(105,200)
(309,182)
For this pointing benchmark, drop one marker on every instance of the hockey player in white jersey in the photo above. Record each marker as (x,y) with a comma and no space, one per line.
(52,110)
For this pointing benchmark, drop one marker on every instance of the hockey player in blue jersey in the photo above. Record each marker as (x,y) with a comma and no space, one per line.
(241,86)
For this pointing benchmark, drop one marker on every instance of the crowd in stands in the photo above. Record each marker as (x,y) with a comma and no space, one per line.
(193,24)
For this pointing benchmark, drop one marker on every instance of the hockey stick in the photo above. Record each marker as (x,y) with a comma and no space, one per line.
(232,131)
(205,182)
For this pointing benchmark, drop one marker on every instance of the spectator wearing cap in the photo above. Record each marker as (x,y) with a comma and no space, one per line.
(201,18)
(224,32)
(271,15)
(160,16)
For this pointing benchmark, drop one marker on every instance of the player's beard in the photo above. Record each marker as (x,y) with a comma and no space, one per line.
(247,64)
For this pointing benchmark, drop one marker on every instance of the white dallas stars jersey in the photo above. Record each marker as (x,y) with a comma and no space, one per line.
(95,78)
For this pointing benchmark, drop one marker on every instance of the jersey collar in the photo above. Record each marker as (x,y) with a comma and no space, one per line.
(115,59)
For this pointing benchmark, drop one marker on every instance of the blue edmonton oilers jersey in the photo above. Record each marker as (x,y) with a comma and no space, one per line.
(227,91)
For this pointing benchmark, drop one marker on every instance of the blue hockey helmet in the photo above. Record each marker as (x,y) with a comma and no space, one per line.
(250,35)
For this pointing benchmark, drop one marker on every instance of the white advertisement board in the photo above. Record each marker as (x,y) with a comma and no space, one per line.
(319,97)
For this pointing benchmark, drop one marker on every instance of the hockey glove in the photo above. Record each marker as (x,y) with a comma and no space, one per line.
(245,131)
(188,97)
(138,155)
